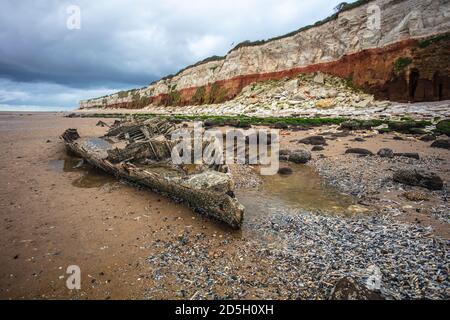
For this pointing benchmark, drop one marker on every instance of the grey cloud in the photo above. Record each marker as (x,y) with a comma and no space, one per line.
(132,43)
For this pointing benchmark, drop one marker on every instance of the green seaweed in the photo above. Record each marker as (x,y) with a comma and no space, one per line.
(411,127)
(443,127)
(401,63)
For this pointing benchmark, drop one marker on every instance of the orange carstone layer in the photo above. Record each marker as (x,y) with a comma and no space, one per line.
(426,78)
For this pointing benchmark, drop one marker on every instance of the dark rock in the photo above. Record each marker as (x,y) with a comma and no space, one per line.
(243,125)
(233,122)
(342,134)
(442,144)
(256,137)
(427,138)
(209,123)
(352,125)
(349,289)
(419,178)
(285,152)
(413,127)
(284,155)
(280,125)
(411,155)
(317,148)
(358,139)
(386,153)
(285,171)
(314,140)
(417,131)
(398,138)
(359,151)
(300,156)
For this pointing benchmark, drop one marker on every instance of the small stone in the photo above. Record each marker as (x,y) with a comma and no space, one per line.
(285,171)
(300,156)
(325,103)
(317,148)
(280,125)
(386,153)
(284,155)
(359,151)
(349,289)
(314,140)
(352,125)
(319,78)
(416,196)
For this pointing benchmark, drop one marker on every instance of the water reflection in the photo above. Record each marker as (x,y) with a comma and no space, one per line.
(91,176)
(304,189)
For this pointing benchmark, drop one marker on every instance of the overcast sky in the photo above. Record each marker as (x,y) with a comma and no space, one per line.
(44,65)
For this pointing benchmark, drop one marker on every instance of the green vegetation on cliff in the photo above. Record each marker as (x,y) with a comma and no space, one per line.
(427,42)
(401,63)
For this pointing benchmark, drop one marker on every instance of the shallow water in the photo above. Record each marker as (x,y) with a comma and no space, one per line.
(91,176)
(303,190)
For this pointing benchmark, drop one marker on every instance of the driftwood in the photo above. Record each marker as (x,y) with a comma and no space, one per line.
(207,191)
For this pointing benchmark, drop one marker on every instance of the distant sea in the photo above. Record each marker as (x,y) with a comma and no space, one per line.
(9,107)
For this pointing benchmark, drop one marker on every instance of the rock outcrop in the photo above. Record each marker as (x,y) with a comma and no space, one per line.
(406,57)
(419,178)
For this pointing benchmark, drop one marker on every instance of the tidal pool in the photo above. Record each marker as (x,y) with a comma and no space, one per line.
(91,177)
(303,190)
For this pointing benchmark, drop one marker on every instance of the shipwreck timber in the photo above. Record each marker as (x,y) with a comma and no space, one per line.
(140,152)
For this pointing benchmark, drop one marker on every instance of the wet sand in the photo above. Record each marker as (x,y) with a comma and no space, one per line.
(48,223)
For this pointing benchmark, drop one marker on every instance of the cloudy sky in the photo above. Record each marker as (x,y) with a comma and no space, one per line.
(44,65)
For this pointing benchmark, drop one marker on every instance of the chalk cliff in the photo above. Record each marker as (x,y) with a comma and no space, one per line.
(395,49)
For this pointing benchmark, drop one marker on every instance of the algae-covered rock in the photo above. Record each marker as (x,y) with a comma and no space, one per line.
(443,127)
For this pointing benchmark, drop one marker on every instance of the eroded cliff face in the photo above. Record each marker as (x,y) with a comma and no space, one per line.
(406,59)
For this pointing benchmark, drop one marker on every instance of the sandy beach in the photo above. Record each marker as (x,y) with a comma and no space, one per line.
(131,243)
(49,223)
